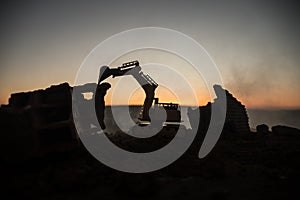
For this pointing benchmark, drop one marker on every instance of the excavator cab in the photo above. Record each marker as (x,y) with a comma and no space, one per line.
(172,110)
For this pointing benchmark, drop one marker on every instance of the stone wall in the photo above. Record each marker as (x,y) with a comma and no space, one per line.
(236,120)
(47,122)
(236,113)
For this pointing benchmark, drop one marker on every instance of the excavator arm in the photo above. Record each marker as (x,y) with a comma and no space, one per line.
(147,83)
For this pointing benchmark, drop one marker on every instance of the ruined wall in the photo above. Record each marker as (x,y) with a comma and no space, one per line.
(47,121)
(236,114)
(236,121)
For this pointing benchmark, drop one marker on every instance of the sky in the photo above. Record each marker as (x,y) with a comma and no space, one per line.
(255,44)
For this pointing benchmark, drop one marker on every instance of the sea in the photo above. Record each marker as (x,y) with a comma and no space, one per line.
(274,117)
(256,117)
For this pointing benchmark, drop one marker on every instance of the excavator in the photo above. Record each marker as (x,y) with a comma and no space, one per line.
(149,86)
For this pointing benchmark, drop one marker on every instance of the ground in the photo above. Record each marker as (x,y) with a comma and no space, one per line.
(241,166)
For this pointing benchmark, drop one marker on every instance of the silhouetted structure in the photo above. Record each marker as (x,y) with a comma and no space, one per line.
(236,115)
(46,124)
(236,120)
(41,121)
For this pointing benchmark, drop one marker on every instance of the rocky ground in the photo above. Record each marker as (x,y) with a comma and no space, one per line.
(262,165)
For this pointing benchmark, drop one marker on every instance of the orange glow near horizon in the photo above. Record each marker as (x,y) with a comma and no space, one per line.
(273,100)
(164,95)
(257,101)
(138,97)
(4,100)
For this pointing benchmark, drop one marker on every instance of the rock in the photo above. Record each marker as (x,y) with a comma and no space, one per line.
(262,129)
(285,131)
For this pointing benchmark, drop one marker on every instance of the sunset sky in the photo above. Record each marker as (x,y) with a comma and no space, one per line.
(255,44)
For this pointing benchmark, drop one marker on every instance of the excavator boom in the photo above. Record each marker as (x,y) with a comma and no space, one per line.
(147,83)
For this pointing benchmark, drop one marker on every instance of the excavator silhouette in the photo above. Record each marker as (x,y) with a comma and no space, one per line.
(149,85)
